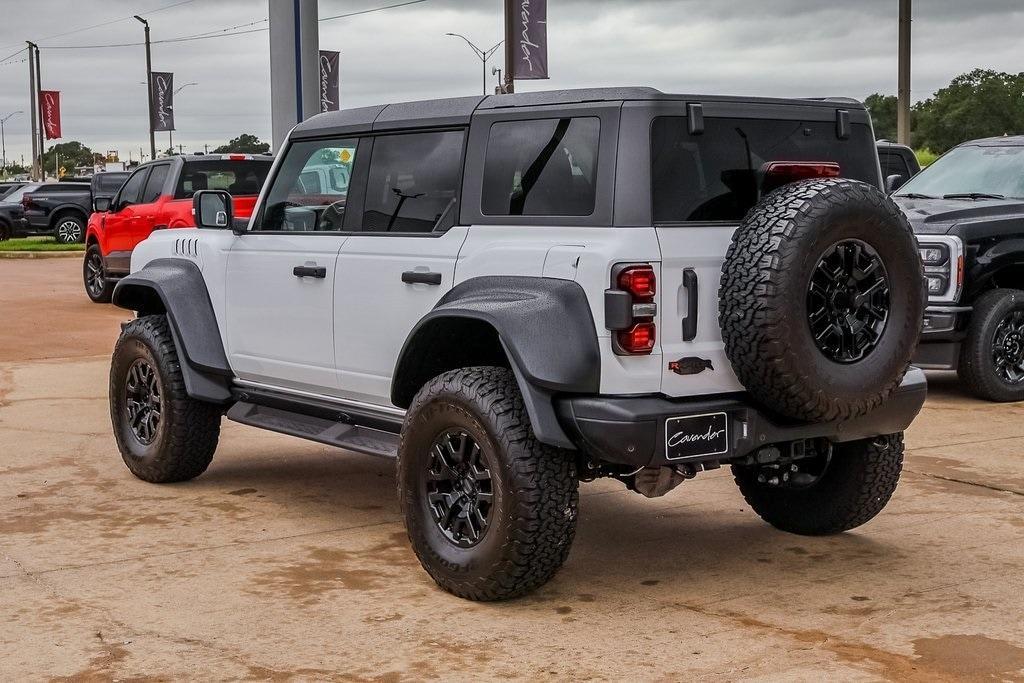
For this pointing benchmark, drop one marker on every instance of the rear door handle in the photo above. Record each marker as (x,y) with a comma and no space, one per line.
(692,304)
(420,277)
(319,272)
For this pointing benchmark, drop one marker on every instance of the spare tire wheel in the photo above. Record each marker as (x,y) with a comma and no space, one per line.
(822,299)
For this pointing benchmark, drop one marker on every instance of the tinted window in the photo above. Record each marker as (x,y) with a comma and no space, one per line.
(155,184)
(715,176)
(893,164)
(413,183)
(240,178)
(311,188)
(106,184)
(132,190)
(66,187)
(541,168)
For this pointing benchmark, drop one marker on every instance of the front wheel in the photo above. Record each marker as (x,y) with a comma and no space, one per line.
(992,356)
(838,489)
(70,229)
(98,286)
(490,511)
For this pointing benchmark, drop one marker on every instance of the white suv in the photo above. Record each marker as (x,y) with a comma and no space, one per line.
(515,293)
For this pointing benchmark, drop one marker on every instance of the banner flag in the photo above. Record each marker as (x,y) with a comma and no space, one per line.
(531,35)
(162,96)
(329,82)
(49,109)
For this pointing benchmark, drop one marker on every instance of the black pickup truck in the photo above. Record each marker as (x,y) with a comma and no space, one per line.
(967,211)
(62,209)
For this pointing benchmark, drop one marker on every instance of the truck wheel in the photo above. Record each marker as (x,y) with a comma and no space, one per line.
(992,356)
(98,287)
(163,435)
(830,493)
(69,229)
(490,511)
(821,299)
(5,232)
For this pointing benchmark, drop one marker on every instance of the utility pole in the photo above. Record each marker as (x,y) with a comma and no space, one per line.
(149,88)
(903,92)
(33,104)
(509,86)
(482,55)
(42,127)
(3,139)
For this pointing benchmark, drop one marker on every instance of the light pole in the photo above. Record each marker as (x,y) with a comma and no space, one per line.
(3,140)
(170,133)
(482,55)
(149,88)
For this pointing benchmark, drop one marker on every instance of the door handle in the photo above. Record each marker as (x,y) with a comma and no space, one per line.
(692,304)
(319,272)
(420,277)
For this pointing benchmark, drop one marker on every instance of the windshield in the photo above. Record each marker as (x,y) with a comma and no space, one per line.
(969,171)
(15,197)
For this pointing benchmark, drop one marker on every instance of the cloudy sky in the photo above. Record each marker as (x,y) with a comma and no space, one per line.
(757,47)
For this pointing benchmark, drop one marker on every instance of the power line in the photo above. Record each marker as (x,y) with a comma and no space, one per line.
(375,9)
(15,54)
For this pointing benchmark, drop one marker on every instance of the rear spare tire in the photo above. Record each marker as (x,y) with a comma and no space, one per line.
(821,299)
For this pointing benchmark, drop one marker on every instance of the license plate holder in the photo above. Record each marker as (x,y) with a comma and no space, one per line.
(696,436)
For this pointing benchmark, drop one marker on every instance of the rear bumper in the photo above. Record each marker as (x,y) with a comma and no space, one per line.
(632,430)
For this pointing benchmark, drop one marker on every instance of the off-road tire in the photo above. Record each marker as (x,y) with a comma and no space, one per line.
(533,519)
(69,228)
(858,482)
(763,299)
(977,368)
(94,258)
(187,434)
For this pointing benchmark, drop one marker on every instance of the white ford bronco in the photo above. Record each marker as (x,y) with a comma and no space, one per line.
(516,293)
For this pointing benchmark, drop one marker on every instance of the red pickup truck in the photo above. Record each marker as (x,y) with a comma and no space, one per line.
(156,196)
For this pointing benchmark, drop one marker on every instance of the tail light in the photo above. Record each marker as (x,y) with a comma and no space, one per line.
(26,202)
(630,309)
(775,174)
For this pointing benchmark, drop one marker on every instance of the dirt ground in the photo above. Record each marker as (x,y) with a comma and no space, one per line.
(288,561)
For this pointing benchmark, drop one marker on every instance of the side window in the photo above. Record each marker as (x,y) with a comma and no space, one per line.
(132,190)
(311,188)
(542,168)
(155,184)
(413,183)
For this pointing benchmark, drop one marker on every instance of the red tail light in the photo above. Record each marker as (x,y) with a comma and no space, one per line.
(638,339)
(779,173)
(25,201)
(639,281)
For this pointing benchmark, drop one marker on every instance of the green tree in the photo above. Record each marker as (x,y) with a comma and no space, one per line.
(979,104)
(246,143)
(883,115)
(14,168)
(72,153)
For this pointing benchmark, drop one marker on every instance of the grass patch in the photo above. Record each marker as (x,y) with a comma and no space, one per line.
(925,157)
(38,244)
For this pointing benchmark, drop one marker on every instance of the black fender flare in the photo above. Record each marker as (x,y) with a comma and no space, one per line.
(176,288)
(57,211)
(546,329)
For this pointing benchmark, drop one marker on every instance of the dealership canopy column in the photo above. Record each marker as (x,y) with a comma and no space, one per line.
(294,52)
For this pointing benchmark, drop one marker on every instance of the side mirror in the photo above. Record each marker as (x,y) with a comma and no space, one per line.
(101,204)
(893,183)
(213,209)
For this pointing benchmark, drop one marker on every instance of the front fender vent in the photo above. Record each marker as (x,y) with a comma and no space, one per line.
(187,247)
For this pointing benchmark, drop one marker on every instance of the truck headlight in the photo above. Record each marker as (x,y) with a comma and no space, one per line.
(934,255)
(937,284)
(943,259)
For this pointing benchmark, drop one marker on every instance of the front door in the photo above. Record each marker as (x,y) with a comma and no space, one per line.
(119,223)
(400,259)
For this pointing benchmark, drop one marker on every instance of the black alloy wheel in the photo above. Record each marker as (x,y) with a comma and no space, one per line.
(1008,348)
(848,301)
(95,280)
(459,488)
(142,401)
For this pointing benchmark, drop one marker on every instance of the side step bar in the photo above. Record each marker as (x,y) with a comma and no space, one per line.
(327,431)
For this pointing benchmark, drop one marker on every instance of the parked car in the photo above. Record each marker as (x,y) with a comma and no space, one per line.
(62,209)
(11,211)
(899,164)
(967,209)
(7,188)
(158,195)
(518,292)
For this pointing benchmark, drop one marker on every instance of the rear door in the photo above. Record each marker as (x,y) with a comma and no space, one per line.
(703,184)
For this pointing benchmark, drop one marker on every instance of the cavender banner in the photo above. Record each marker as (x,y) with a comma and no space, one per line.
(162,96)
(329,84)
(531,36)
(49,109)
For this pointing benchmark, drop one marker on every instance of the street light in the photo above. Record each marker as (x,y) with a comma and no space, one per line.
(3,141)
(482,55)
(149,88)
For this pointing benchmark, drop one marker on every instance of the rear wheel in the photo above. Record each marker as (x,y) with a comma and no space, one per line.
(992,356)
(838,489)
(490,511)
(69,229)
(98,287)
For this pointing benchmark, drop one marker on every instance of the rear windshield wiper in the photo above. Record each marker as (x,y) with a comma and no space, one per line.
(915,195)
(973,195)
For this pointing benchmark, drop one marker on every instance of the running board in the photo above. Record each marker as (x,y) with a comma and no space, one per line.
(330,432)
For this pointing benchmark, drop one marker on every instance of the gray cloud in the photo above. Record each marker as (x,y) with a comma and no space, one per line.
(758,47)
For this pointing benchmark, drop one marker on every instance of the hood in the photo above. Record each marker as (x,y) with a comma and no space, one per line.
(939,216)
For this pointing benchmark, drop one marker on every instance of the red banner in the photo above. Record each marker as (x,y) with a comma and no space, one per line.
(49,109)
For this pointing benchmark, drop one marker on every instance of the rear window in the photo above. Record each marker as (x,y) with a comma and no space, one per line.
(240,178)
(714,176)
